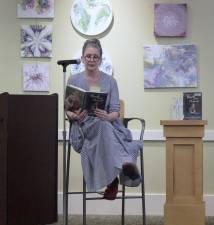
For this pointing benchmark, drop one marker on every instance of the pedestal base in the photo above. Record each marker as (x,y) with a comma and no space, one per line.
(184,214)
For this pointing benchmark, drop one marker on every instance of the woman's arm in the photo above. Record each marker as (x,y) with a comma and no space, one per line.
(114,102)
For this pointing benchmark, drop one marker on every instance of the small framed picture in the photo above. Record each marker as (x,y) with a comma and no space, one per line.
(170,20)
(36,41)
(35,9)
(192,105)
(36,77)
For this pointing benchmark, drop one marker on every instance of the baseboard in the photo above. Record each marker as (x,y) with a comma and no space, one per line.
(154,205)
(150,135)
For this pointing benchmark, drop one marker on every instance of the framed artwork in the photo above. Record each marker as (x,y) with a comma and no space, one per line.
(35,9)
(106,65)
(36,41)
(91,17)
(170,20)
(36,77)
(170,66)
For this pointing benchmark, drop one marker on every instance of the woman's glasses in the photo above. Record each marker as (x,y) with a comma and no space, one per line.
(91,57)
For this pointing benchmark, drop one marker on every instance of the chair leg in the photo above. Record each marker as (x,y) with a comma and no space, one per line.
(123,205)
(67,183)
(143,201)
(84,202)
(142,189)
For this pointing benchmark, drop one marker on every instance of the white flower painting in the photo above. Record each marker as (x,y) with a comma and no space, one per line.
(36,41)
(36,77)
(35,9)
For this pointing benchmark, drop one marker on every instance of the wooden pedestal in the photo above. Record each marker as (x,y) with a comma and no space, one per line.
(184,172)
(28,159)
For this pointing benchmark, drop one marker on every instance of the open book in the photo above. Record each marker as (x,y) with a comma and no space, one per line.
(88,100)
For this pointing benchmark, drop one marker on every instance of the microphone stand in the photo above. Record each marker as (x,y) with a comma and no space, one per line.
(64,64)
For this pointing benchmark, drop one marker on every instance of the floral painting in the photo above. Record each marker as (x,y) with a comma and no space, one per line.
(170,66)
(36,77)
(91,17)
(106,65)
(35,9)
(170,19)
(36,41)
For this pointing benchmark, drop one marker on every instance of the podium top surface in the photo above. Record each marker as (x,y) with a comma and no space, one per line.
(183,122)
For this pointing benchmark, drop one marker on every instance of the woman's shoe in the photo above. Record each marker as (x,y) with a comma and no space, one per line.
(130,170)
(111,191)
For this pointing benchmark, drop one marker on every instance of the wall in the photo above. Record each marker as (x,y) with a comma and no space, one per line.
(132,28)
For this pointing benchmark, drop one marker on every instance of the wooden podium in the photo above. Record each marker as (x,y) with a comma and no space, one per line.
(184,172)
(28,159)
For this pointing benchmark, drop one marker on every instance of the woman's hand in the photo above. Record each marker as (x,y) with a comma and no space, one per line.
(102,114)
(78,115)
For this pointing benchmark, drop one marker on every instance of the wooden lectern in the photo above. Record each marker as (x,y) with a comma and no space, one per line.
(184,172)
(28,159)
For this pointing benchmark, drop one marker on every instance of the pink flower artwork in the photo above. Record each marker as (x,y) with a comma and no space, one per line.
(170,20)
(35,9)
(36,77)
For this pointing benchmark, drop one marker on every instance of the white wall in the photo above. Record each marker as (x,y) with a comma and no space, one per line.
(131,30)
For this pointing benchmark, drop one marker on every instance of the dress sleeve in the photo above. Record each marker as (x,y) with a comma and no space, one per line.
(70,80)
(114,104)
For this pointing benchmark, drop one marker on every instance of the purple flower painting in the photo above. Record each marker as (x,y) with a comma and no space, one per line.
(170,66)
(36,77)
(170,20)
(35,9)
(36,41)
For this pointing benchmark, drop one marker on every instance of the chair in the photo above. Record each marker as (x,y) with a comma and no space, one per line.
(123,196)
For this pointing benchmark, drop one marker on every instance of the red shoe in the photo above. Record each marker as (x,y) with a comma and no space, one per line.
(111,190)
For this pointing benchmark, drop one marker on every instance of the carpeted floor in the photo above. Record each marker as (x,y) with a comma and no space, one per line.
(116,220)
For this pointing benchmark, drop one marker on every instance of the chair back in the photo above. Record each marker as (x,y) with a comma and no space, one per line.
(122,109)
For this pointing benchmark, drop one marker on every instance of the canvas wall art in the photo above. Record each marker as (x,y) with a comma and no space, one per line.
(36,41)
(35,9)
(91,17)
(170,20)
(170,66)
(36,77)
(106,65)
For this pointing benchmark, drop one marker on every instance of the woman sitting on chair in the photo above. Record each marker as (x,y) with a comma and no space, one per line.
(108,149)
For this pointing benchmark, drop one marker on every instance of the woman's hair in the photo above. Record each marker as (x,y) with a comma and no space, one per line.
(95,43)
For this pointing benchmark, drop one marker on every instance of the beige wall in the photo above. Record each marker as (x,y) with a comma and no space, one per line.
(132,28)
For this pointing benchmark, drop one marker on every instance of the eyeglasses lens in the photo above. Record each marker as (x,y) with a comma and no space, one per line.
(93,58)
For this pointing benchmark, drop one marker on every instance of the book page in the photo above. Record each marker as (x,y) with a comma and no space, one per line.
(95,88)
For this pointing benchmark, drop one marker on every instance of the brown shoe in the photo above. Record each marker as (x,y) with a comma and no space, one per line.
(130,170)
(111,190)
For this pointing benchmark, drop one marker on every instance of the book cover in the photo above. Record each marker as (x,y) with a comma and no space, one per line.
(87,99)
(192,105)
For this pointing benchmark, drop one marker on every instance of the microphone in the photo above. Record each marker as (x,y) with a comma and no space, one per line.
(68,62)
